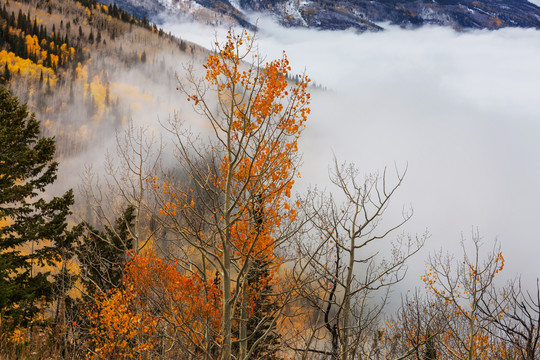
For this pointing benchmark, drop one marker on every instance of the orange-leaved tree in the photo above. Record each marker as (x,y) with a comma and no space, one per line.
(155,300)
(118,329)
(180,301)
(234,212)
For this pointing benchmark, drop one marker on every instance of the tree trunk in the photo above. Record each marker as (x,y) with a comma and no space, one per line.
(243,325)
(347,303)
(227,303)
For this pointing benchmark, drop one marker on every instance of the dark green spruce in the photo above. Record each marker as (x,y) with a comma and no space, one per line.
(261,325)
(102,254)
(33,230)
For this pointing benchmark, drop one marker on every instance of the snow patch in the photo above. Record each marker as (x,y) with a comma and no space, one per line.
(292,9)
(182,5)
(427,12)
(358,13)
(236,4)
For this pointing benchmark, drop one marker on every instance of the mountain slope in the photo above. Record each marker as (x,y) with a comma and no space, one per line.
(359,14)
(85,69)
(459,14)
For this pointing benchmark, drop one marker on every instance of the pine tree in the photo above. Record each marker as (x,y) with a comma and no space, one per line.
(260,315)
(48,90)
(7,75)
(261,320)
(91,37)
(431,351)
(107,94)
(32,230)
(103,254)
(71,94)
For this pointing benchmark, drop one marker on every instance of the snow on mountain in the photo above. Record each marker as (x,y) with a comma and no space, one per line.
(358,14)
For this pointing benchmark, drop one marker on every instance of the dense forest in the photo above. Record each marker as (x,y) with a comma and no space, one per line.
(195,247)
(68,60)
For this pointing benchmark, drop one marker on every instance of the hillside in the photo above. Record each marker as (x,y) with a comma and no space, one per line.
(85,68)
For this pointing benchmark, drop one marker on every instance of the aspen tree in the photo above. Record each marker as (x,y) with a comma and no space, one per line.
(238,211)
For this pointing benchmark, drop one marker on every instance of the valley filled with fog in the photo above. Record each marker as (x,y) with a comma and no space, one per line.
(461,109)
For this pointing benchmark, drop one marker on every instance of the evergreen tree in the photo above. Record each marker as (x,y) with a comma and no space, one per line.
(183,45)
(7,75)
(260,321)
(431,351)
(107,94)
(103,254)
(32,230)
(71,94)
(261,315)
(91,37)
(48,90)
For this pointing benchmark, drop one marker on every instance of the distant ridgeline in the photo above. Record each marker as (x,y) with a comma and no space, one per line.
(61,58)
(362,15)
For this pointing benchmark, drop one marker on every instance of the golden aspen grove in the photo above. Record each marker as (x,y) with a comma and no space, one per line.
(192,242)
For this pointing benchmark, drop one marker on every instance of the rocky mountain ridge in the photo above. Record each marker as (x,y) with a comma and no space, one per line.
(362,15)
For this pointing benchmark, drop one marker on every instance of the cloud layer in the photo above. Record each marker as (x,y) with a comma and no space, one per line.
(462,109)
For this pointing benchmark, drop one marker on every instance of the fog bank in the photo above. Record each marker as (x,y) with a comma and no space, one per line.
(462,109)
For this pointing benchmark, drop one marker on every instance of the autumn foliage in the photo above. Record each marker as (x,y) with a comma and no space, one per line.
(451,321)
(223,262)
(118,329)
(235,221)
(182,301)
(229,224)
(156,299)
